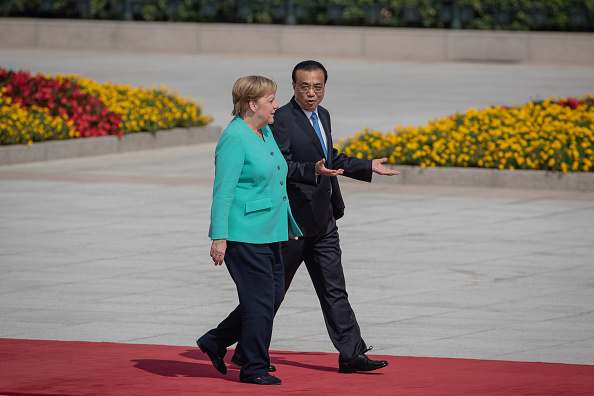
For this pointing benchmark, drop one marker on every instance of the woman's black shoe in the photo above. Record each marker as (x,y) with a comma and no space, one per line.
(217,362)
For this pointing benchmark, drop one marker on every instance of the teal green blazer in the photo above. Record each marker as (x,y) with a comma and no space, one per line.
(249,200)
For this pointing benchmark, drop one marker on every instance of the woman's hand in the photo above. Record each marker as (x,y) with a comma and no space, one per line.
(217,251)
(322,170)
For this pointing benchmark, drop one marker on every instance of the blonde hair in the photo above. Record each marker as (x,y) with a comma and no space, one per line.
(250,88)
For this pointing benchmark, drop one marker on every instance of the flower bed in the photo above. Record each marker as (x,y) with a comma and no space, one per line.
(38,107)
(554,134)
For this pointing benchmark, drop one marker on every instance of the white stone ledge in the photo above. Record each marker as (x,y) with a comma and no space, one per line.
(491,178)
(569,48)
(72,148)
(409,175)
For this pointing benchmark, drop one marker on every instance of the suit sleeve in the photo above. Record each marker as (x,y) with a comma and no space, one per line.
(229,158)
(298,172)
(355,168)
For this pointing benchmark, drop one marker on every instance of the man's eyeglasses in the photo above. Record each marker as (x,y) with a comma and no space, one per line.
(318,88)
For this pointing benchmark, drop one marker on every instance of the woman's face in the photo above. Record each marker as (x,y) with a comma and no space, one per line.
(265,108)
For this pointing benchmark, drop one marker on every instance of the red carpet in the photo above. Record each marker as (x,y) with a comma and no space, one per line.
(30,367)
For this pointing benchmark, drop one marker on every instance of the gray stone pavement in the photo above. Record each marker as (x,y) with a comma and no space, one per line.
(115,248)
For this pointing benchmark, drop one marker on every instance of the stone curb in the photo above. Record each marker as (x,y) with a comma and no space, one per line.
(491,178)
(72,148)
(409,175)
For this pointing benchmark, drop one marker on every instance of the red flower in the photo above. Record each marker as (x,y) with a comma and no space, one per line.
(90,115)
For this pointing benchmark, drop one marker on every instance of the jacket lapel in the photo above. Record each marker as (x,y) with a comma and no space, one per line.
(306,127)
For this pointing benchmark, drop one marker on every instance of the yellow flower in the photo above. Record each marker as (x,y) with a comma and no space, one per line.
(144,109)
(532,136)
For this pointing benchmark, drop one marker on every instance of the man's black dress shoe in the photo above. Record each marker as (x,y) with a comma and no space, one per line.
(264,380)
(217,362)
(236,360)
(360,363)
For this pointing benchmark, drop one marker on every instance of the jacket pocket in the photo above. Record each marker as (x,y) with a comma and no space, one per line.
(259,204)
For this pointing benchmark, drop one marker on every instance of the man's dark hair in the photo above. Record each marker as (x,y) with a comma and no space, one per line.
(310,65)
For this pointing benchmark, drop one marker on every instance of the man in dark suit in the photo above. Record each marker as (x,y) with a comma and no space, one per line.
(302,130)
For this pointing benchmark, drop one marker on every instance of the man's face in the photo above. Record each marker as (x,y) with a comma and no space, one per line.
(309,88)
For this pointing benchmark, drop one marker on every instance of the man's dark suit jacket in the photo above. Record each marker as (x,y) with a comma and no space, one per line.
(309,194)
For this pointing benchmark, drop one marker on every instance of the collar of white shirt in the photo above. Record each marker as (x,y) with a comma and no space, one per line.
(309,113)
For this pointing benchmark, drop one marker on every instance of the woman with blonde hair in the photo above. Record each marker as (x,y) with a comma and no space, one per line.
(250,216)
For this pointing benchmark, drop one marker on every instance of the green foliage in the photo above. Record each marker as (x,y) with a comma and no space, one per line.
(551,15)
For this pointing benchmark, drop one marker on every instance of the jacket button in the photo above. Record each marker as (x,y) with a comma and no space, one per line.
(282,183)
(278,167)
(272,153)
(284,198)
